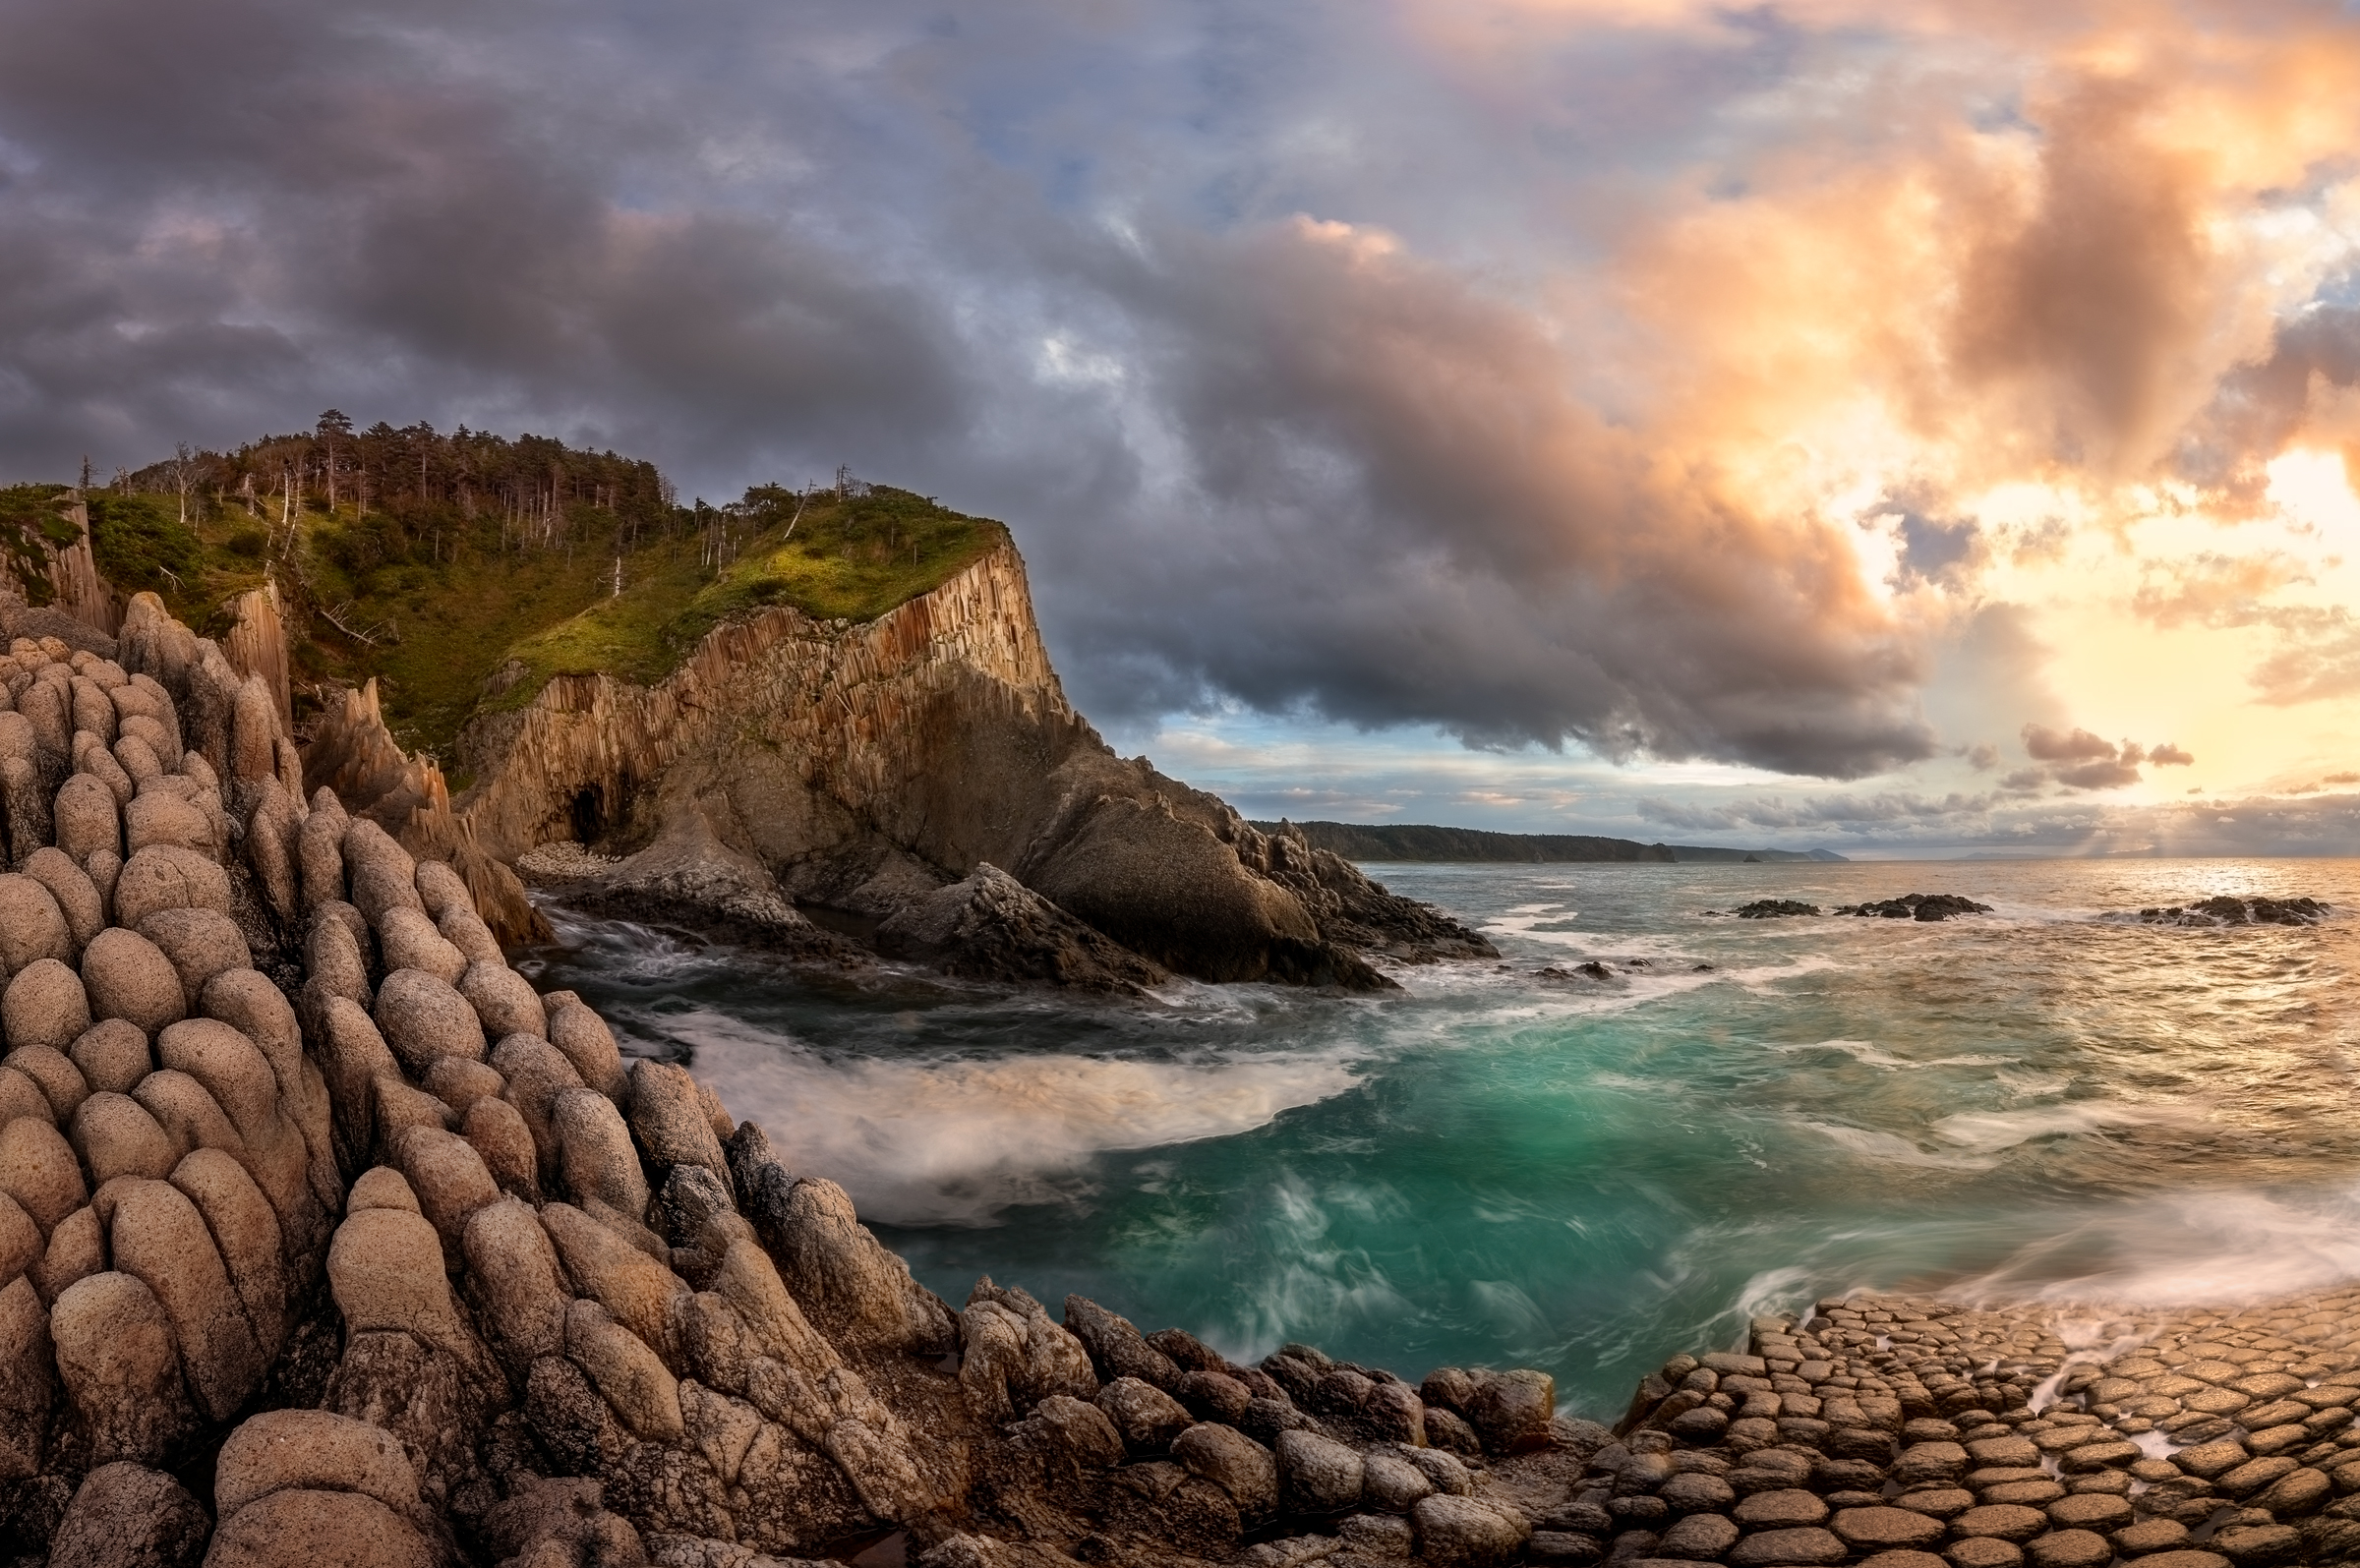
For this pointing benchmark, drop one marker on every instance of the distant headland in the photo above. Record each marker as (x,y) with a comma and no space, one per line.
(1421,842)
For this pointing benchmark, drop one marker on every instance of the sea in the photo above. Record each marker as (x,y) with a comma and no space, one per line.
(1495,1166)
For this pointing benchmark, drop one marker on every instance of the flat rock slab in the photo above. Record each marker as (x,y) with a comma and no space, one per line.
(2070,1549)
(2254,1545)
(1880,1528)
(1941,1502)
(2101,1456)
(2025,1494)
(1699,1537)
(2003,1451)
(2090,1510)
(1809,1547)
(1983,1551)
(2150,1535)
(2001,1522)
(1784,1509)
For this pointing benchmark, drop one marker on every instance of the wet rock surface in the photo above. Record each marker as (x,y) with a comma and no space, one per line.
(2226,910)
(990,926)
(1916,906)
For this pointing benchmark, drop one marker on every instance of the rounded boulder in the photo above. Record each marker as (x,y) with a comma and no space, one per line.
(45,1004)
(409,941)
(319,1529)
(124,1515)
(1462,1532)
(32,925)
(87,818)
(128,977)
(423,1017)
(503,999)
(1235,1463)
(112,1055)
(167,877)
(1317,1474)
(312,1450)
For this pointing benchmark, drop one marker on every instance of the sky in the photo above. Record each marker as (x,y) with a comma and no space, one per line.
(1903,427)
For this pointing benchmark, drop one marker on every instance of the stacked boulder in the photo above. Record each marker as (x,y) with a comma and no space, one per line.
(166,1182)
(1154,1448)
(279,1127)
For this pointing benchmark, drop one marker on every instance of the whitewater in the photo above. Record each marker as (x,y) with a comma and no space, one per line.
(1498,1166)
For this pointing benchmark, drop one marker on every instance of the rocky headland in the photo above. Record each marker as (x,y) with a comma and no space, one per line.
(921,773)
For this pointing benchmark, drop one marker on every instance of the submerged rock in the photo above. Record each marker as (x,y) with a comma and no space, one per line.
(1591,969)
(2225,911)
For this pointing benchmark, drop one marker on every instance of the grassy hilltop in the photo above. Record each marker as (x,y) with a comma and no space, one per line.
(464,570)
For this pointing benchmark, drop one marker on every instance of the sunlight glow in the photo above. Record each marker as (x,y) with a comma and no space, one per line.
(2314,487)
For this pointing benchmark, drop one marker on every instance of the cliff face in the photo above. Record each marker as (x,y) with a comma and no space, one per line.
(864,766)
(816,746)
(67,576)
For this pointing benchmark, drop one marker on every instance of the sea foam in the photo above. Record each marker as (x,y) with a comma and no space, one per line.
(932,1140)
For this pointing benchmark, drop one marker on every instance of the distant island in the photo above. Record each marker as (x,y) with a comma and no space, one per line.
(1422,842)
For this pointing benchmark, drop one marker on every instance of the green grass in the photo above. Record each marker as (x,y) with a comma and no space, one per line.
(851,562)
(444,624)
(141,544)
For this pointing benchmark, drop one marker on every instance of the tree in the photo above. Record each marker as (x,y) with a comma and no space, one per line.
(333,424)
(184,473)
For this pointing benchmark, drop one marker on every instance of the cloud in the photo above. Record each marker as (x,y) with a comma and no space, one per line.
(2258,408)
(1848,812)
(1340,400)
(2045,744)
(2081,760)
(2095,296)
(2101,775)
(2318,658)
(2214,590)
(2168,755)
(1524,369)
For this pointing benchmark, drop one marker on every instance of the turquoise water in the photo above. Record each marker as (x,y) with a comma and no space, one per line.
(1501,1168)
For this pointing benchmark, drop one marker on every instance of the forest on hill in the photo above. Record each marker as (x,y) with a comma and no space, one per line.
(463,569)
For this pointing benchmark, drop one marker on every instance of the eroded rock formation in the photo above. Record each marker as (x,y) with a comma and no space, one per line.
(789,761)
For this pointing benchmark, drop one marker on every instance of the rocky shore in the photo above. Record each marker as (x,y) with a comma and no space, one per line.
(1910,1432)
(327,1239)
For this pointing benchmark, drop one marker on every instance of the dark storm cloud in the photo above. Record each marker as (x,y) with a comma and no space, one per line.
(2080,760)
(989,255)
(1395,510)
(220,221)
